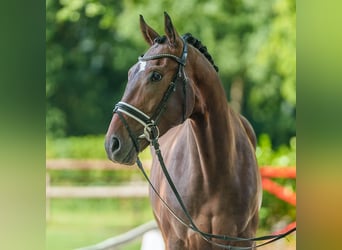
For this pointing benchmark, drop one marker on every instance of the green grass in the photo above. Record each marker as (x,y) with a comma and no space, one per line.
(75,223)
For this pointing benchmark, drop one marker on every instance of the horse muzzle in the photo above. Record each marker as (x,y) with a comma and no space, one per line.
(120,149)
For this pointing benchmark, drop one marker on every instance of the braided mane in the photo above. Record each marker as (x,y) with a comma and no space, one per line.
(194,42)
(198,45)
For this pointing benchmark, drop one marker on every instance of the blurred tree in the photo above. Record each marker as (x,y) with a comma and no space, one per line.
(91,45)
(270,63)
(84,71)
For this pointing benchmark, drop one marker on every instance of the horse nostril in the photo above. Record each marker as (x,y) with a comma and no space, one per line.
(115,144)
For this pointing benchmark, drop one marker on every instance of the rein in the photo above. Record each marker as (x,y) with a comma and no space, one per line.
(151,134)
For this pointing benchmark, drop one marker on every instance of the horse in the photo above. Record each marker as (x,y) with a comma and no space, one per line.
(174,95)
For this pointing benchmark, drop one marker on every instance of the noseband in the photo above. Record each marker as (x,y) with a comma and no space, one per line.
(150,124)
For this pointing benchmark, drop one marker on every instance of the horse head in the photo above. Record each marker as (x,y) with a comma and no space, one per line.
(158,95)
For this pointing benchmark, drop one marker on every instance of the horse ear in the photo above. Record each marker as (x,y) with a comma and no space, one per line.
(170,31)
(148,33)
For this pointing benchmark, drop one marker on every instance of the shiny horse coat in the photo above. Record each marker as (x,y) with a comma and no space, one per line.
(208,149)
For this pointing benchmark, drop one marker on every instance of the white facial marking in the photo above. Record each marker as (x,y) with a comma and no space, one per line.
(142,66)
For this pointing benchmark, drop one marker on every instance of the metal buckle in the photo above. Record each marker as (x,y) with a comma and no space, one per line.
(151,132)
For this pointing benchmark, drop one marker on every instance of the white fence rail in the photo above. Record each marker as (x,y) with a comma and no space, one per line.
(149,231)
(135,190)
(72,164)
(123,191)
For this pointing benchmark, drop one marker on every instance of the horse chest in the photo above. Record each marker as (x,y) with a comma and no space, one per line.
(200,199)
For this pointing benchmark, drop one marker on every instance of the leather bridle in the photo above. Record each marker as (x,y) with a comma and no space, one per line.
(151,134)
(150,124)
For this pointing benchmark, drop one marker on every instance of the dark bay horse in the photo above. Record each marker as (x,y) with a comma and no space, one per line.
(208,149)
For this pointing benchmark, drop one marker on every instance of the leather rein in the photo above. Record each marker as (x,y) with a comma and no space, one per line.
(151,134)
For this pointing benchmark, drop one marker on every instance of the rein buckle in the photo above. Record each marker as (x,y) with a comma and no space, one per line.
(151,132)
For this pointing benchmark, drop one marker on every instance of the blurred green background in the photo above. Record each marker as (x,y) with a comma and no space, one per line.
(90,45)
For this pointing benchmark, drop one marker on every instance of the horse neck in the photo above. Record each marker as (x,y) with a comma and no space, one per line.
(214,123)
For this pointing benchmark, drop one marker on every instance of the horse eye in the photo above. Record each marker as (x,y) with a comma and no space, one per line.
(155,77)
